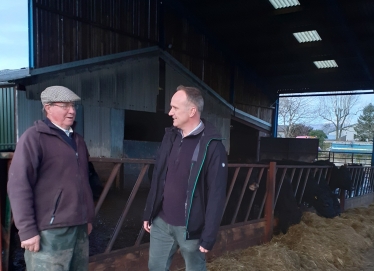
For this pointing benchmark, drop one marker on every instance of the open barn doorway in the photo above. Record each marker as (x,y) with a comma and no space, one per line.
(341,121)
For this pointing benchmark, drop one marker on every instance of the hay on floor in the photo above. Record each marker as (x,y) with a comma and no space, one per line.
(316,243)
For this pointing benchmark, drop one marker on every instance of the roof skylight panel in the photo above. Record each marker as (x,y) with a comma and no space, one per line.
(307,36)
(284,3)
(324,64)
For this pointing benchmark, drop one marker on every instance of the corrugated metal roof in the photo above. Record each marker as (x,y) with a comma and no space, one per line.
(9,75)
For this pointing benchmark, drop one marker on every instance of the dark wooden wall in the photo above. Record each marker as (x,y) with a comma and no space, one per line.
(73,30)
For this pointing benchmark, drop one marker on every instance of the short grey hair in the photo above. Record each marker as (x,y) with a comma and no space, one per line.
(193,96)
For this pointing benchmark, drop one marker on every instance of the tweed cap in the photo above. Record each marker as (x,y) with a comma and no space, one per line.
(58,94)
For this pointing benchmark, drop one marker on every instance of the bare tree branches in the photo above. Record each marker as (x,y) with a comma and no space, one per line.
(338,111)
(294,110)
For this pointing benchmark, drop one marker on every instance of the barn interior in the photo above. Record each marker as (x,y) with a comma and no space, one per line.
(126,58)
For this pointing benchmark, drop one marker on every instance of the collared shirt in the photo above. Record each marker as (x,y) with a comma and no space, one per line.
(67,132)
(66,135)
(197,127)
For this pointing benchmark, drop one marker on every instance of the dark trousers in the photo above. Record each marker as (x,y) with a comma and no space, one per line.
(61,249)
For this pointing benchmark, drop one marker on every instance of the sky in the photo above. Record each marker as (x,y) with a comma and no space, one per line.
(13,34)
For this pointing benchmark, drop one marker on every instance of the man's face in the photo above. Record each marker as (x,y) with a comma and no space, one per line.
(180,109)
(62,114)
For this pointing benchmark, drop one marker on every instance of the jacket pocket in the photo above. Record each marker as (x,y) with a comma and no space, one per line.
(55,205)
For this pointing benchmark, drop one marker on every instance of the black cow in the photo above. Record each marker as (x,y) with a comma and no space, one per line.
(286,208)
(314,190)
(321,197)
(340,177)
(252,204)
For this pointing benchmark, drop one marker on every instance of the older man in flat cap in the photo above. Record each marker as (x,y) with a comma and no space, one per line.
(49,189)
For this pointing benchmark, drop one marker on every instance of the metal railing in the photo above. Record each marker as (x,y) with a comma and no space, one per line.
(7,146)
(341,158)
(242,205)
(363,180)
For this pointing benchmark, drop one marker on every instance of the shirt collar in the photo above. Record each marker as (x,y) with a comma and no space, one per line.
(67,132)
(195,131)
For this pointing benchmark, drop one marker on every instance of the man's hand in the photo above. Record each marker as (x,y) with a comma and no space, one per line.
(146,226)
(89,228)
(203,250)
(32,244)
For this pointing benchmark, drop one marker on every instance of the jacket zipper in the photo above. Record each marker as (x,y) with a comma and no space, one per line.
(187,234)
(55,209)
(80,177)
(185,204)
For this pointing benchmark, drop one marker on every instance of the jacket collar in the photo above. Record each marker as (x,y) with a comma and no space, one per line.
(209,130)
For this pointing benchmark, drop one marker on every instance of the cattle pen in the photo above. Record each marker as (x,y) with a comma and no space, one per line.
(119,242)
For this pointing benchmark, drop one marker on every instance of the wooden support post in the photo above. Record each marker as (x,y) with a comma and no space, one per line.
(118,185)
(269,204)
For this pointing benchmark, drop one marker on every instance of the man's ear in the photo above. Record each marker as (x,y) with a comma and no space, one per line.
(193,111)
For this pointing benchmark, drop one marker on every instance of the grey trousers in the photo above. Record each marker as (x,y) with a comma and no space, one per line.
(61,249)
(164,242)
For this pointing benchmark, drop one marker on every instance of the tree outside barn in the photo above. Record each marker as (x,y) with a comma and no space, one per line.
(300,116)
(365,124)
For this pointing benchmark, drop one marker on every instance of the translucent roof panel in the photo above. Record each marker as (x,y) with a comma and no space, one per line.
(284,3)
(307,36)
(324,64)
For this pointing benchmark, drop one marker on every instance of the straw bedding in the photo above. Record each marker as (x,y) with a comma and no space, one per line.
(317,243)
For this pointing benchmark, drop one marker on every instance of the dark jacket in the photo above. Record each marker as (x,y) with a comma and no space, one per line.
(48,182)
(206,191)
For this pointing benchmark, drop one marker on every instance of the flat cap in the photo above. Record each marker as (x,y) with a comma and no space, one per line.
(58,94)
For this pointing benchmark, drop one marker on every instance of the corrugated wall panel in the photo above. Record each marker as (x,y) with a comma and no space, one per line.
(90,88)
(97,130)
(7,124)
(131,84)
(28,112)
(107,85)
(117,128)
(214,111)
(137,84)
